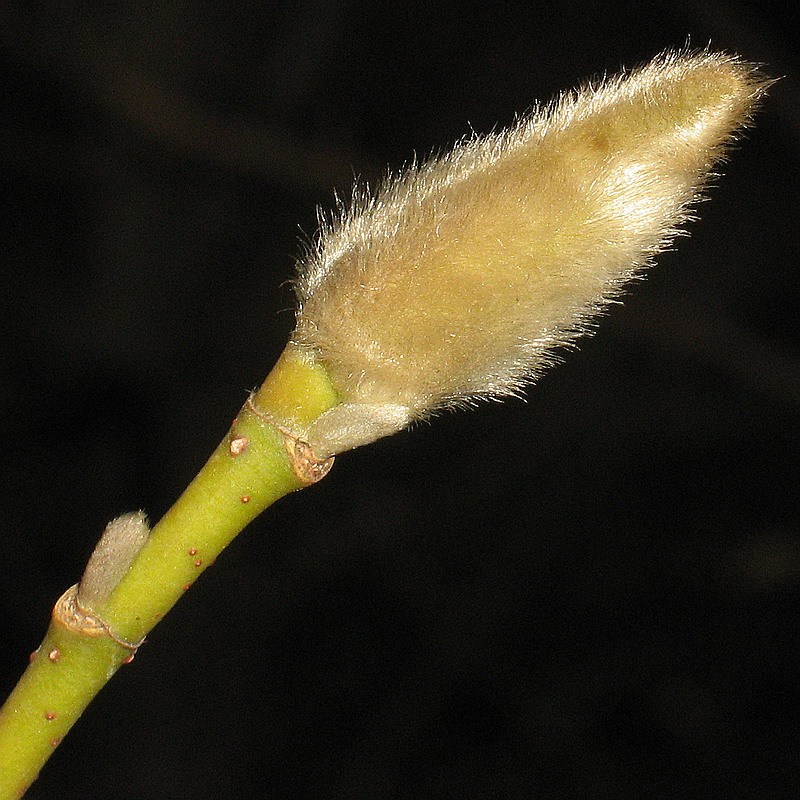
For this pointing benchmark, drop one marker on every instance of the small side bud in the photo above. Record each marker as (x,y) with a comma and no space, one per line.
(459,279)
(119,545)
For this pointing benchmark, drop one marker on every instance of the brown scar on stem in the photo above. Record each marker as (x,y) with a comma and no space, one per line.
(306,466)
(238,445)
(80,621)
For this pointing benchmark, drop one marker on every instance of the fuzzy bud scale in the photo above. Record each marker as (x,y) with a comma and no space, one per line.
(458,279)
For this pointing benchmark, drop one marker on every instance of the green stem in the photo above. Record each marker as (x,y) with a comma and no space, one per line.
(249,470)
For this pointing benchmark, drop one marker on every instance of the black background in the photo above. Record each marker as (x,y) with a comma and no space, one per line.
(593,593)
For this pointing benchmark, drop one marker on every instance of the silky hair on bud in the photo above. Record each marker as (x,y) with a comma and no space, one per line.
(119,545)
(459,278)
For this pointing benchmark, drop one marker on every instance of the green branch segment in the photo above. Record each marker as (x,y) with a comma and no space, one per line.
(258,461)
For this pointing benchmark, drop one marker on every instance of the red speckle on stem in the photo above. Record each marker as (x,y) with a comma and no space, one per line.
(245,498)
(32,656)
(49,715)
(54,654)
(198,562)
(55,742)
(128,658)
(192,551)
(186,586)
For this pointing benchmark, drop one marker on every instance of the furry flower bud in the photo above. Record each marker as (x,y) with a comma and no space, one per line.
(458,279)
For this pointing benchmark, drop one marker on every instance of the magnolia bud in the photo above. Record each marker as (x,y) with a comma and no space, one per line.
(458,279)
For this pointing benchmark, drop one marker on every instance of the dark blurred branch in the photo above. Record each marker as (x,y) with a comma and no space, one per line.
(763,367)
(197,130)
(78,58)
